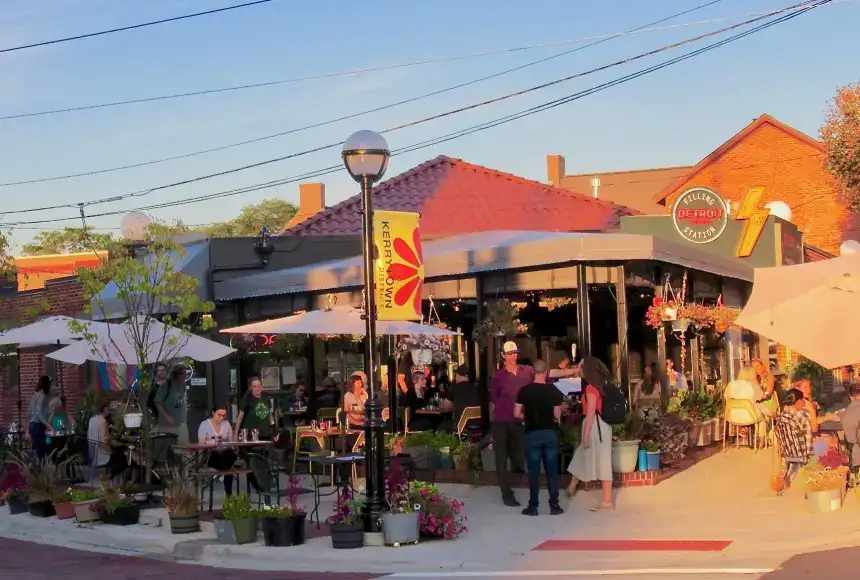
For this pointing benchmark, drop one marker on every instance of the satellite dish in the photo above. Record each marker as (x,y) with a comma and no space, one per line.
(134,226)
(780,209)
(849,247)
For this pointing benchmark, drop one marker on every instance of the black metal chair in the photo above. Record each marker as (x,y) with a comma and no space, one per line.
(266,482)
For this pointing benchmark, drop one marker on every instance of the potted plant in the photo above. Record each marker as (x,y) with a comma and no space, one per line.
(41,486)
(285,525)
(625,446)
(63,506)
(652,455)
(238,523)
(86,503)
(13,489)
(347,522)
(500,319)
(444,444)
(421,446)
(180,499)
(462,454)
(438,515)
(119,509)
(394,443)
(400,525)
(826,481)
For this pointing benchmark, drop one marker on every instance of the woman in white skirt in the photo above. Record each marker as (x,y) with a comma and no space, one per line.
(592,460)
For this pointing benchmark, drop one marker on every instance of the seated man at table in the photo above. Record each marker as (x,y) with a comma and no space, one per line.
(417,401)
(216,429)
(463,393)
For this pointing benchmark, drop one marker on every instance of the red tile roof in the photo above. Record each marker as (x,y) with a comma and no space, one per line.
(634,188)
(455,197)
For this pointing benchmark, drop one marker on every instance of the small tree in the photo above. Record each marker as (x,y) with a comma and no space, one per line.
(149,286)
(841,137)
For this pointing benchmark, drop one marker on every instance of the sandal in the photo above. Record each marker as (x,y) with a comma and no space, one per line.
(603,507)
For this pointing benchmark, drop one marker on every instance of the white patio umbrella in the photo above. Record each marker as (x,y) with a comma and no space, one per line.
(811,308)
(118,345)
(337,320)
(52,330)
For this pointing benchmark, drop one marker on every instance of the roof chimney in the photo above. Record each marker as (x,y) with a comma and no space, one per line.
(555,169)
(595,186)
(311,202)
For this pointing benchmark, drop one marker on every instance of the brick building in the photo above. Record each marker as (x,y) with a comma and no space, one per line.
(63,296)
(768,153)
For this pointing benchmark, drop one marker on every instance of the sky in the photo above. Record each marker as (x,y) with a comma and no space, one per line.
(675,116)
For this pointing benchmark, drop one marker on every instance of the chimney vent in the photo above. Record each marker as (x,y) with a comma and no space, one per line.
(595,186)
(555,169)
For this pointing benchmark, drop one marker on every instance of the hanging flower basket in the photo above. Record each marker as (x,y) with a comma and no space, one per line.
(287,347)
(242,342)
(501,319)
(439,346)
(355,338)
(660,312)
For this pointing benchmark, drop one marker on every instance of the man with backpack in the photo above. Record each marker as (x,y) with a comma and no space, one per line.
(160,379)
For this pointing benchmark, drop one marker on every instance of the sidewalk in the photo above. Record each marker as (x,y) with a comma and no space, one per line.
(726,498)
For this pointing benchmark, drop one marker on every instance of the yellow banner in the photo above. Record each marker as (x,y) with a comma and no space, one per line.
(399,265)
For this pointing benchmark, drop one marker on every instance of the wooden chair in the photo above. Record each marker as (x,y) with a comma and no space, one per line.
(469,414)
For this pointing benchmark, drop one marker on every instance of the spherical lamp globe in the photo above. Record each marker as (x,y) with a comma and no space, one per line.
(780,209)
(849,247)
(134,226)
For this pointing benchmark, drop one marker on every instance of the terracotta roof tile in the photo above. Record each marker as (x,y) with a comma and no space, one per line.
(634,189)
(455,197)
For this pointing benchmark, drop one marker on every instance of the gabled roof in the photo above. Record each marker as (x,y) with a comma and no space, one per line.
(730,144)
(634,189)
(455,197)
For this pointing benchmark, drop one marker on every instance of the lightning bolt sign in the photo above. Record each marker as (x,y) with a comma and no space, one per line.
(750,210)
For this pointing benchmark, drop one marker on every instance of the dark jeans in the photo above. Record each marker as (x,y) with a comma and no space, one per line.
(507,444)
(542,446)
(223,461)
(38,438)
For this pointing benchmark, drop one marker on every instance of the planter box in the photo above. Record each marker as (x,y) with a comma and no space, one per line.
(706,432)
(18,506)
(283,532)
(652,460)
(344,537)
(624,456)
(488,460)
(41,509)
(399,529)
(87,511)
(424,457)
(184,524)
(123,516)
(825,501)
(64,510)
(237,532)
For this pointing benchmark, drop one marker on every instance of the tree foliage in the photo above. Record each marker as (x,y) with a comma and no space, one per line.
(841,137)
(67,241)
(269,213)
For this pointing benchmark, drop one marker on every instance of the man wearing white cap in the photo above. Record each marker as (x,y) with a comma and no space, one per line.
(506,430)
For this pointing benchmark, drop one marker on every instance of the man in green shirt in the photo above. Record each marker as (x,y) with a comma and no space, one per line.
(254,412)
(170,402)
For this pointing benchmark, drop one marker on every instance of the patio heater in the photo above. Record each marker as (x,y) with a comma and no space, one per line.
(366,155)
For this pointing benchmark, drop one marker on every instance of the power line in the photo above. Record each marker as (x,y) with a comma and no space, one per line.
(805,7)
(354,115)
(144,192)
(131,27)
(600,38)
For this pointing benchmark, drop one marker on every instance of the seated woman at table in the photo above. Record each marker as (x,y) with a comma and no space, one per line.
(417,401)
(58,419)
(98,444)
(214,430)
(354,400)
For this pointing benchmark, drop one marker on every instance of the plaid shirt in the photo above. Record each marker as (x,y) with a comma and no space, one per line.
(794,433)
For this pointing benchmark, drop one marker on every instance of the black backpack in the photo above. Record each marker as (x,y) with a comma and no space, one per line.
(614,405)
(150,401)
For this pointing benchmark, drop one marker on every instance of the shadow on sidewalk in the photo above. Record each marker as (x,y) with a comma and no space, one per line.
(838,564)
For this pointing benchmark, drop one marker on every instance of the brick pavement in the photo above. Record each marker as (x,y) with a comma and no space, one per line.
(29,561)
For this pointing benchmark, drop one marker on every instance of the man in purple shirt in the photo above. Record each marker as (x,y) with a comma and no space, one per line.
(506,430)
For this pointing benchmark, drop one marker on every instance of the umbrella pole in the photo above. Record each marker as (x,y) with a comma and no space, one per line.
(59,372)
(18,382)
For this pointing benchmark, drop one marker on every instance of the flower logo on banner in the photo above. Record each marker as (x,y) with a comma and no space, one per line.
(410,271)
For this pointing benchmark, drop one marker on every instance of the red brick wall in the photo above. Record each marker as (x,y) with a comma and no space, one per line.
(59,297)
(791,171)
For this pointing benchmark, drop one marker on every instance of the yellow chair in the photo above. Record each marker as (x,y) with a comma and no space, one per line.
(306,432)
(406,416)
(743,413)
(469,414)
(328,414)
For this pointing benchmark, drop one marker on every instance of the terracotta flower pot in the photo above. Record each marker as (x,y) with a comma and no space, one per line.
(65,510)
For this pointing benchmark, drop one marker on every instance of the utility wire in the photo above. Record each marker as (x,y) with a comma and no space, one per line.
(144,192)
(601,38)
(132,27)
(354,115)
(806,6)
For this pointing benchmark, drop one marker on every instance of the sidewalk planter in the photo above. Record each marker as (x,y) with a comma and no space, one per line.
(624,456)
(243,531)
(707,432)
(652,460)
(828,500)
(123,516)
(281,532)
(399,529)
(18,505)
(224,532)
(41,509)
(64,510)
(184,524)
(642,461)
(87,511)
(488,459)
(424,457)
(347,537)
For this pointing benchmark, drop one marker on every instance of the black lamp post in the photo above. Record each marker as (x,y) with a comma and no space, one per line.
(366,155)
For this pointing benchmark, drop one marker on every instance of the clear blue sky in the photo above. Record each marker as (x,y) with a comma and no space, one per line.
(672,117)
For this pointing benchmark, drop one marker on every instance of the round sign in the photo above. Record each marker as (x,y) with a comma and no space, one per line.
(700,215)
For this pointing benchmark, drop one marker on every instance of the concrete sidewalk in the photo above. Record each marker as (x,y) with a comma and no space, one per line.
(726,497)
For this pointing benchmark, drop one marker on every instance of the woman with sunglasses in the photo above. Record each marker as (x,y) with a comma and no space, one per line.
(215,430)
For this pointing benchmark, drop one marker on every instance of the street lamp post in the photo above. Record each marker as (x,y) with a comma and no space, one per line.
(366,155)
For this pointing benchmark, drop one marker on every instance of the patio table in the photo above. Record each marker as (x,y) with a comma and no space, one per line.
(337,463)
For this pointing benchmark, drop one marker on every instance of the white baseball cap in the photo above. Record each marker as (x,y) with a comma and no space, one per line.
(510,347)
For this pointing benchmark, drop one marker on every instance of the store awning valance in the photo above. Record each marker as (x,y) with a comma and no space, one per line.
(489,251)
